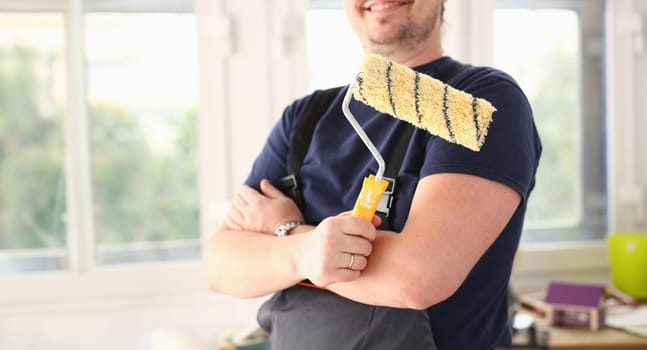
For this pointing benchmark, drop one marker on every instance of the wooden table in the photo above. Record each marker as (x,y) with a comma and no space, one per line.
(580,339)
(605,339)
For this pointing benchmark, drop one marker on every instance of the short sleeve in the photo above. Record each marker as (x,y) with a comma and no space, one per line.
(271,162)
(512,148)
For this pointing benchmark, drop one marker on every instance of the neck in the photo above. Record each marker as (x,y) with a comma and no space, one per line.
(412,56)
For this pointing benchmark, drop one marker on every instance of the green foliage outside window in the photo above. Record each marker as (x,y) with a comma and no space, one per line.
(139,196)
(554,107)
(32,195)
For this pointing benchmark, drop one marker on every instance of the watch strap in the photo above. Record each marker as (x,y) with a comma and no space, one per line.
(283,229)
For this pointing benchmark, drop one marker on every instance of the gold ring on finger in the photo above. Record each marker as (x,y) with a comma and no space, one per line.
(351,262)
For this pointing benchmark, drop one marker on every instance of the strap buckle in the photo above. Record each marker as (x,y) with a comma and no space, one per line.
(384,206)
(290,184)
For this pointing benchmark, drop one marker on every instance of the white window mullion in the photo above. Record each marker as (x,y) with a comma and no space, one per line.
(80,235)
(215,46)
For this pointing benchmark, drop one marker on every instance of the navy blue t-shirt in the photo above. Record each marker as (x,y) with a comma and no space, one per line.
(476,315)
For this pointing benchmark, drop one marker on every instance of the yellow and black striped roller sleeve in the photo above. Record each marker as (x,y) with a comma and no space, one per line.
(423,101)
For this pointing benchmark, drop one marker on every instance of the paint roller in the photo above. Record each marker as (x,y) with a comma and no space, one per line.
(419,99)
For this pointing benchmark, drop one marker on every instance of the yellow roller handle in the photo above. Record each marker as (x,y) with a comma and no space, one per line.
(369,197)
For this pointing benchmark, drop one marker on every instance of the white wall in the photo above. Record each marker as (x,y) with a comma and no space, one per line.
(627,67)
(126,323)
(114,308)
(468,33)
(252,60)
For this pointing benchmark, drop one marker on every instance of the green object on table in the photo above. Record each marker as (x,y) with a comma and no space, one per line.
(628,262)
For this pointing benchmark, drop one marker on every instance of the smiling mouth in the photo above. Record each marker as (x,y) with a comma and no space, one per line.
(374,6)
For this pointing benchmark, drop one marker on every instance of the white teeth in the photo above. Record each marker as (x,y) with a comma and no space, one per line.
(380,7)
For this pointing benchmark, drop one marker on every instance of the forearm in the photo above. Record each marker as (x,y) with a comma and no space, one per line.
(377,285)
(400,275)
(446,233)
(249,264)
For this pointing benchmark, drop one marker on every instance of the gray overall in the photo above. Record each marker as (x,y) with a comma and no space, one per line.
(304,318)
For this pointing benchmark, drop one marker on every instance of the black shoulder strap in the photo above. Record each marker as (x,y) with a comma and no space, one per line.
(305,126)
(319,103)
(449,74)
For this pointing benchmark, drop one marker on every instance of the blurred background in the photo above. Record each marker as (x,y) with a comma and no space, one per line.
(125,127)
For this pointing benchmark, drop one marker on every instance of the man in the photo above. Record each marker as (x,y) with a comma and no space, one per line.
(444,264)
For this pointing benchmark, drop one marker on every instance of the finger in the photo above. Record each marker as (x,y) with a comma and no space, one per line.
(356,245)
(236,215)
(351,261)
(234,218)
(269,190)
(355,226)
(248,194)
(238,201)
(377,221)
(346,275)
(359,263)
(232,225)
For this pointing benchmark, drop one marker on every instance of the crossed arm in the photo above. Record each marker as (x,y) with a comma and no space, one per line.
(453,219)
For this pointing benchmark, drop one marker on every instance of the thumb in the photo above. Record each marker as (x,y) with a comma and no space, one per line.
(377,221)
(269,190)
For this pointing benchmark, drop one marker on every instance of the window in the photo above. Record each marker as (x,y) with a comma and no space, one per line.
(142,85)
(559,66)
(558,63)
(137,91)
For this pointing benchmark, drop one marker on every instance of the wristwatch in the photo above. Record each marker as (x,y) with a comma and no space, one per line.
(283,229)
